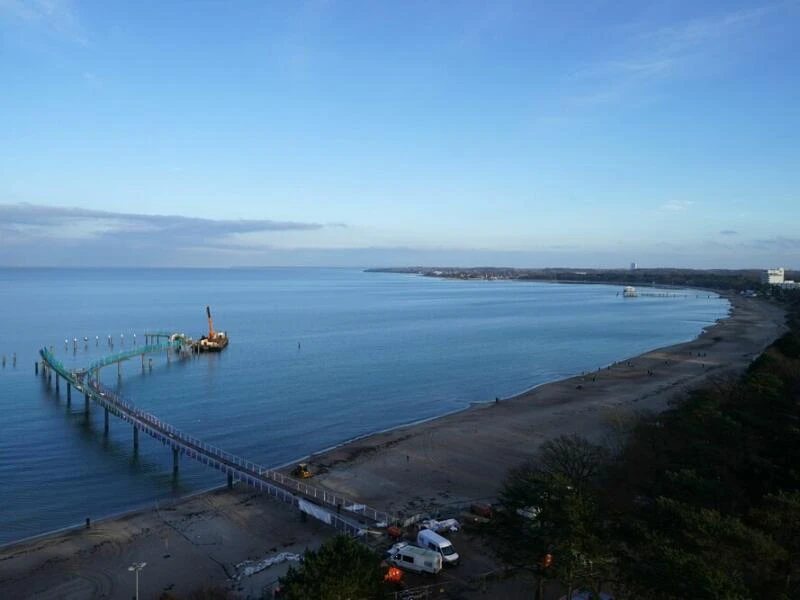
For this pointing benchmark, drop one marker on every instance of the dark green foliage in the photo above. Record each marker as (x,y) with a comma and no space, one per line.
(789,345)
(341,569)
(779,516)
(676,550)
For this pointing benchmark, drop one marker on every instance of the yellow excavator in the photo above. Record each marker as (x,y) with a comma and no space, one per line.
(301,471)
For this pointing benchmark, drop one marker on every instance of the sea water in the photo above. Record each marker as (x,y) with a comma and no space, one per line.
(317,357)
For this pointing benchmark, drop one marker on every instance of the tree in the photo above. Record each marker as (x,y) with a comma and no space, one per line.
(780,518)
(547,519)
(674,551)
(572,457)
(341,569)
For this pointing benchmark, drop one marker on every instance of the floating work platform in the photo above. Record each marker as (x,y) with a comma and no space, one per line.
(216,344)
(215,341)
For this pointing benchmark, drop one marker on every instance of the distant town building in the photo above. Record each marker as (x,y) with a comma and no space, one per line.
(772,276)
(634,266)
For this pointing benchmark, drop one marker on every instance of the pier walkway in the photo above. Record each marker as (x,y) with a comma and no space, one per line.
(128,354)
(347,515)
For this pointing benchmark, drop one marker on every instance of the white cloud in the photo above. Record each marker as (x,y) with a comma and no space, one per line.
(676,206)
(677,40)
(656,54)
(54,18)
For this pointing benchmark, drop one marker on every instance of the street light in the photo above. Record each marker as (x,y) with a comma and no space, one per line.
(136,567)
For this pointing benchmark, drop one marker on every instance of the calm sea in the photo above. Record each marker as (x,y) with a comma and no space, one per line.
(317,357)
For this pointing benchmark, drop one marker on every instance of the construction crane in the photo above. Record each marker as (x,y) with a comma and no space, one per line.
(215,341)
(211,333)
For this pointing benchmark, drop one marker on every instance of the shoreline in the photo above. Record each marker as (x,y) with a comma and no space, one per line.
(424,466)
(286,466)
(355,469)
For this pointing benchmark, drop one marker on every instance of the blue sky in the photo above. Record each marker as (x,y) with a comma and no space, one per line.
(215,133)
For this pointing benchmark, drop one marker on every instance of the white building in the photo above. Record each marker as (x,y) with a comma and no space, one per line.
(772,276)
(634,266)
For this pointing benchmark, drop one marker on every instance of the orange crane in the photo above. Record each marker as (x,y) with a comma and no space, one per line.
(215,341)
(211,334)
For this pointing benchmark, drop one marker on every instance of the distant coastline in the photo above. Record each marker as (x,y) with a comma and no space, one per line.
(713,279)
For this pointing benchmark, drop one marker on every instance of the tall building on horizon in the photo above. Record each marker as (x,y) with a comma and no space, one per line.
(772,276)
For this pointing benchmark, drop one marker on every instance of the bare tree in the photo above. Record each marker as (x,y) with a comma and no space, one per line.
(573,457)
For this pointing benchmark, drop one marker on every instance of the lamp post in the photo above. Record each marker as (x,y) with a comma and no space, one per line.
(136,567)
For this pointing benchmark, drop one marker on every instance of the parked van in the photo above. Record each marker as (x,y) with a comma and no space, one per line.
(411,558)
(430,540)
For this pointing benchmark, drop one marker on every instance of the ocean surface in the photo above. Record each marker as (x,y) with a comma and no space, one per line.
(317,357)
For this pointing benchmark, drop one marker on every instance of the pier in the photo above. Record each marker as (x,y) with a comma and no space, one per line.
(94,368)
(343,513)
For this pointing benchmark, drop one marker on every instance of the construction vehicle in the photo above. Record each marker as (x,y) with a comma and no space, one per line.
(301,471)
(215,341)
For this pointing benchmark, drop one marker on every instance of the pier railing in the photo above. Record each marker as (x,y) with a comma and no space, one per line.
(127,354)
(273,482)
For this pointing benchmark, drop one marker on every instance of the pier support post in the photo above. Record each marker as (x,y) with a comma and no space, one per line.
(175,455)
(69,392)
(36,367)
(86,403)
(230,481)
(135,438)
(57,381)
(119,370)
(105,429)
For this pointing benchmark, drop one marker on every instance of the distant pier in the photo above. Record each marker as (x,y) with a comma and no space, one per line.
(631,292)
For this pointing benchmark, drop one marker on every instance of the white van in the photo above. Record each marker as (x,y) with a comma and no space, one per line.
(415,559)
(429,539)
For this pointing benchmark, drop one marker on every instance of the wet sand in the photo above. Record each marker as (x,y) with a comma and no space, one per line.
(426,467)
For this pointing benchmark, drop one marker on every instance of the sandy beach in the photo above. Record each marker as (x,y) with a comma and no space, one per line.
(426,467)
(464,456)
